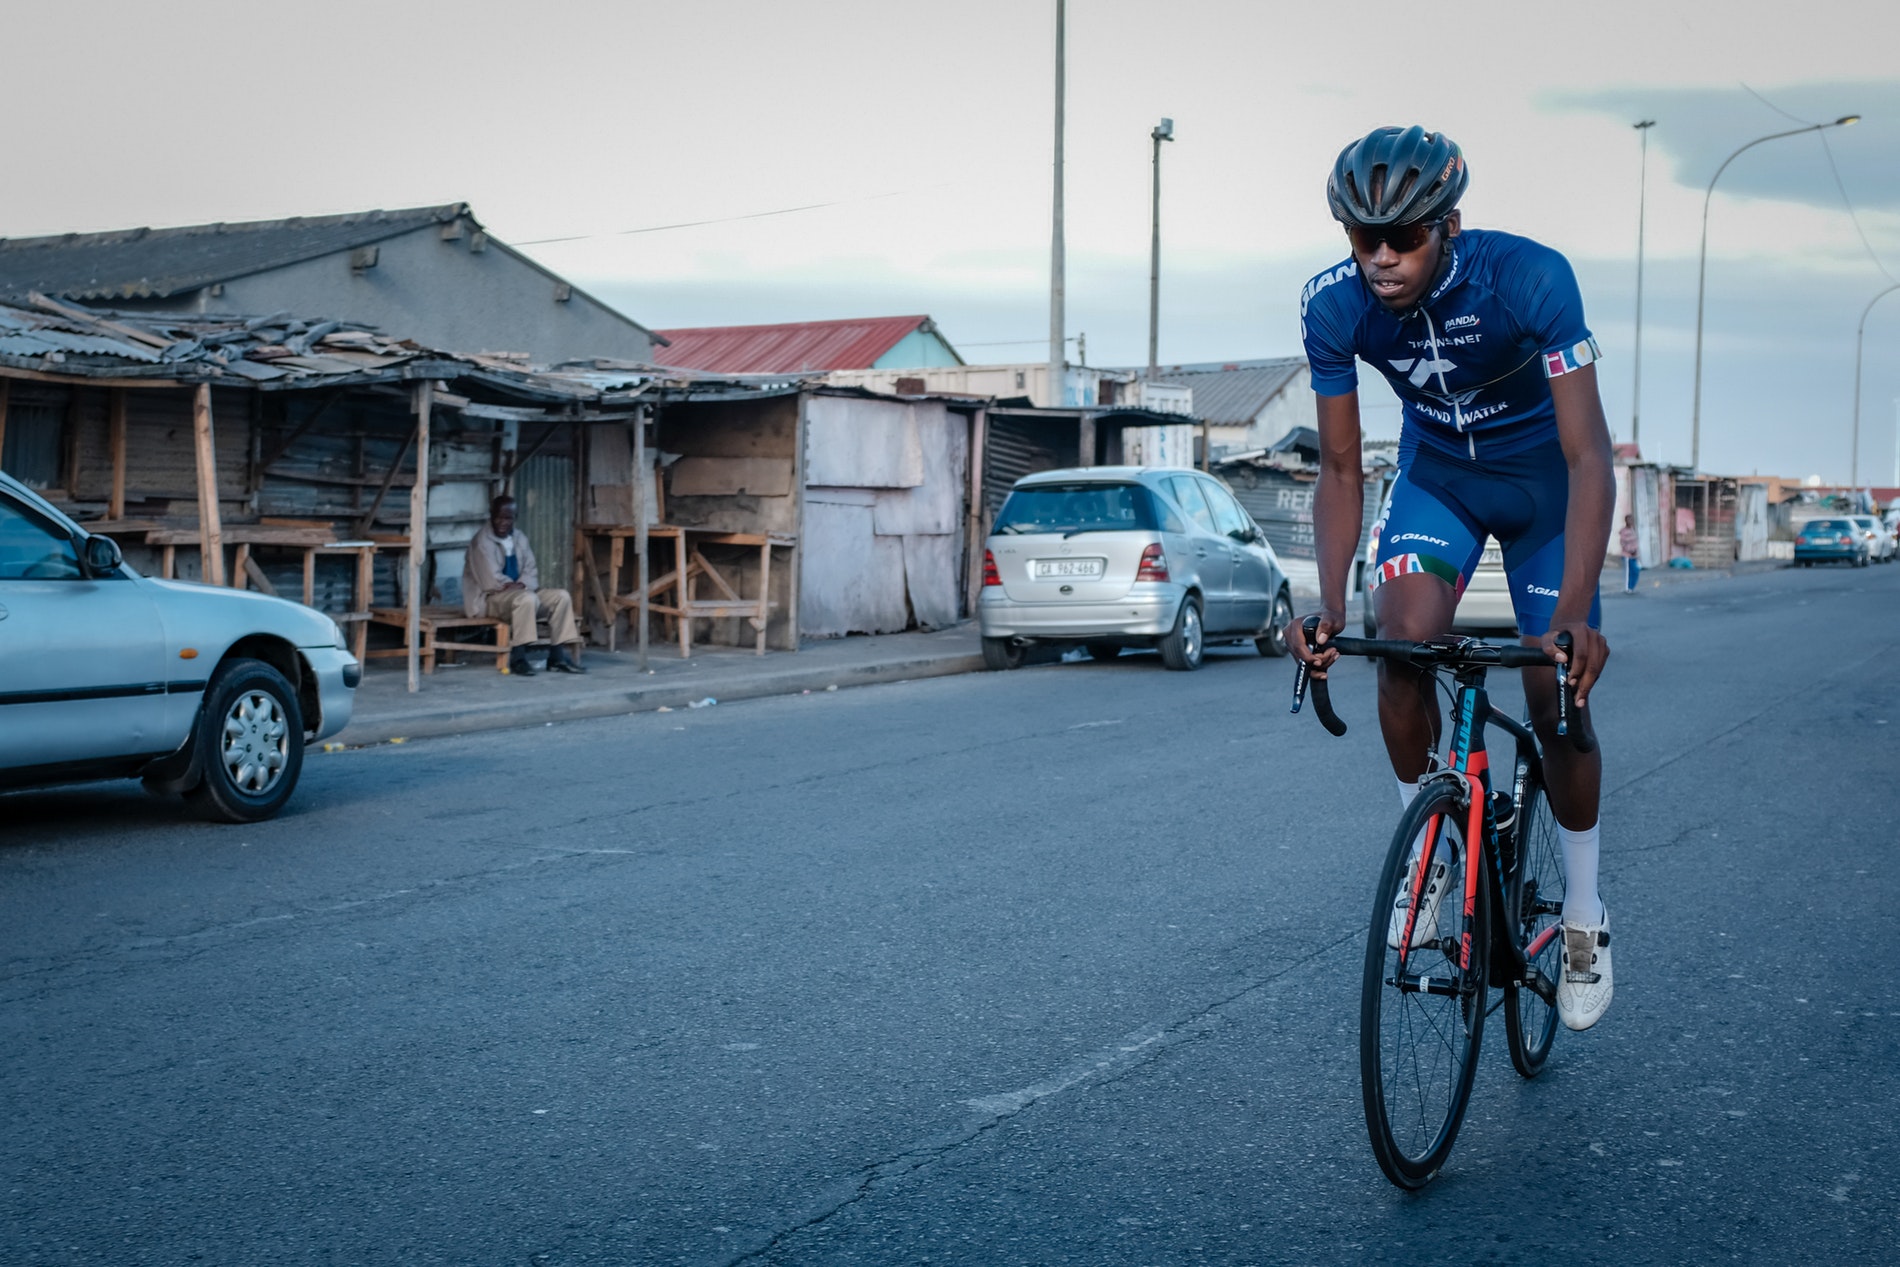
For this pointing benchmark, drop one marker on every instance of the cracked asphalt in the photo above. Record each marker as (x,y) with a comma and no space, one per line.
(1057,966)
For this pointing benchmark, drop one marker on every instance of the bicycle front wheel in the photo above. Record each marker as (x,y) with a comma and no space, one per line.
(1534,909)
(1421,1009)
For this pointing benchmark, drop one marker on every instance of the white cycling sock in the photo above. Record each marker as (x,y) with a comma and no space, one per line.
(1408,792)
(1582,905)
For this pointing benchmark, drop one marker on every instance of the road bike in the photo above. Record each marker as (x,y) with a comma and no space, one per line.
(1427,990)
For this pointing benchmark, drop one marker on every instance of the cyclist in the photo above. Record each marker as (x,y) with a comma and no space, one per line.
(1482,336)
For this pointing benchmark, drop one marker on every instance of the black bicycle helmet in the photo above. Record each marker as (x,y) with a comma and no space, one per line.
(1397,176)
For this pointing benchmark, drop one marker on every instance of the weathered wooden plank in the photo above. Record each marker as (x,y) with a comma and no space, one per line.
(418,529)
(719,477)
(115,505)
(210,523)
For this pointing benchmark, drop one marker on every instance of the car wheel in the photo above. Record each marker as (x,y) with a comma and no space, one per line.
(1000,654)
(250,732)
(1274,643)
(1181,647)
(1104,650)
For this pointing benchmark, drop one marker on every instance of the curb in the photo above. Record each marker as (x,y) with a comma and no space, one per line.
(453,720)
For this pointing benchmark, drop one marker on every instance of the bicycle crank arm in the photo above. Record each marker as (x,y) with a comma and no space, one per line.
(1542,986)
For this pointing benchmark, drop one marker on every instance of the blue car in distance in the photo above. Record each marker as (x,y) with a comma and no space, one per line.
(1830,541)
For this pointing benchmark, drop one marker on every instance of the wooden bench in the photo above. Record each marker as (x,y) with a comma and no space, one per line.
(432,622)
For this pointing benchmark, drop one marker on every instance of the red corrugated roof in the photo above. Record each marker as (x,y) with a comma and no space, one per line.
(795,347)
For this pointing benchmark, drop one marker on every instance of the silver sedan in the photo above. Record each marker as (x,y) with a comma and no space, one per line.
(1113,557)
(208,692)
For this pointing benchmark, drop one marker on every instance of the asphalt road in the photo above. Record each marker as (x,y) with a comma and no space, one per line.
(1058,966)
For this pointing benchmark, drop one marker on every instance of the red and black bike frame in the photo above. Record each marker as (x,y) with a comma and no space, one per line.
(1467,761)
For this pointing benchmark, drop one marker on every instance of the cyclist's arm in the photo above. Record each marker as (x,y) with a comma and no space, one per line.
(1585,438)
(1338,511)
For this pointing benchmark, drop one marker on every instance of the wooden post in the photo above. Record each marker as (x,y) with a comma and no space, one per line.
(210,526)
(419,527)
(642,477)
(1085,441)
(973,532)
(115,509)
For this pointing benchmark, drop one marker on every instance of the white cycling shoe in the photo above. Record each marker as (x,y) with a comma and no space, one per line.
(1426,927)
(1584,990)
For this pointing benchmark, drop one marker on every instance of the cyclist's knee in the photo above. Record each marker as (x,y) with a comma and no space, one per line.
(1414,608)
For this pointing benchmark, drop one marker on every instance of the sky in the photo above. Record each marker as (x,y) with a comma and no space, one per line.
(926,130)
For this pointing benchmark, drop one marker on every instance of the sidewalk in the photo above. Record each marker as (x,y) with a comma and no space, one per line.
(1656,578)
(473,696)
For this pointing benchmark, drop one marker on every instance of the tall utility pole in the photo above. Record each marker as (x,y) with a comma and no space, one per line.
(1164,131)
(1642,194)
(1057,352)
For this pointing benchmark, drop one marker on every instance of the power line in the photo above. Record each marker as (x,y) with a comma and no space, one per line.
(1839,184)
(753,215)
(1010,343)
(1851,213)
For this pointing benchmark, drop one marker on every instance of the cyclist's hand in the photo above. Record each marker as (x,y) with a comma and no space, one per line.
(1318,659)
(1588,653)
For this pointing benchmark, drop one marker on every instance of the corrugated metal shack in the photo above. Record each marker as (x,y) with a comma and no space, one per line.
(875,488)
(1276,486)
(314,425)
(161,430)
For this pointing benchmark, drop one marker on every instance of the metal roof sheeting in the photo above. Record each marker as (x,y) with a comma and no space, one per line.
(1232,393)
(157,263)
(800,347)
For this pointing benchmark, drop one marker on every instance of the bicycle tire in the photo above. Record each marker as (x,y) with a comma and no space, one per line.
(1535,903)
(1418,1049)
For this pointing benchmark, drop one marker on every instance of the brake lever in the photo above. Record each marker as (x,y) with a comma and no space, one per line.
(1563,685)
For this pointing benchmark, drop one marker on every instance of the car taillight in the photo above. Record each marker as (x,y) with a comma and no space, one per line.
(989,570)
(1847,541)
(1154,564)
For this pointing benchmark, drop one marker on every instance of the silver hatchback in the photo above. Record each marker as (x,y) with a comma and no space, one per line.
(1113,557)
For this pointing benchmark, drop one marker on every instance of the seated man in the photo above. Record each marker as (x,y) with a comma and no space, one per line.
(500,580)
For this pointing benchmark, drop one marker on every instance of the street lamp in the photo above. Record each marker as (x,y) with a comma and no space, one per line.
(1702,269)
(1642,192)
(1164,131)
(1859,338)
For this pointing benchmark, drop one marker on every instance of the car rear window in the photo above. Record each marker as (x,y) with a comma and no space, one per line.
(1079,507)
(1814,526)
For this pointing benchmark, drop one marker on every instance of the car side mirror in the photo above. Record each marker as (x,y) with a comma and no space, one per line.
(102,555)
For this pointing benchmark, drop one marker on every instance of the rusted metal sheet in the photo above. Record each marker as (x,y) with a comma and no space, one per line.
(544,494)
(791,348)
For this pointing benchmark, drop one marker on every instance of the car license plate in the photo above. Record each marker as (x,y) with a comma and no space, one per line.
(1067,569)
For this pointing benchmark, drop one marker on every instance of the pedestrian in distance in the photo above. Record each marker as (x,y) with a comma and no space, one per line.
(500,581)
(1632,565)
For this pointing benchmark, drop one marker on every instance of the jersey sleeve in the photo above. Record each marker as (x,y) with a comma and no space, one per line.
(1325,328)
(1549,302)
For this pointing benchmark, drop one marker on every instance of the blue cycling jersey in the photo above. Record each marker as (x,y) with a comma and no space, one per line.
(1472,363)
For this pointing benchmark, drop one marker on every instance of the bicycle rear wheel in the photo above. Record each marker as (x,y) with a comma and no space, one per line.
(1421,1014)
(1534,907)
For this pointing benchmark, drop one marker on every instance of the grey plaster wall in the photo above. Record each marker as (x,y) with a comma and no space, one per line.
(442,293)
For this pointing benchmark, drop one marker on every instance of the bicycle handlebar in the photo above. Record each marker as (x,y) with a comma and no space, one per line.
(1430,655)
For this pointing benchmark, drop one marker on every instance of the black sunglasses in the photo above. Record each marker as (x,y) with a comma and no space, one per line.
(1403,238)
